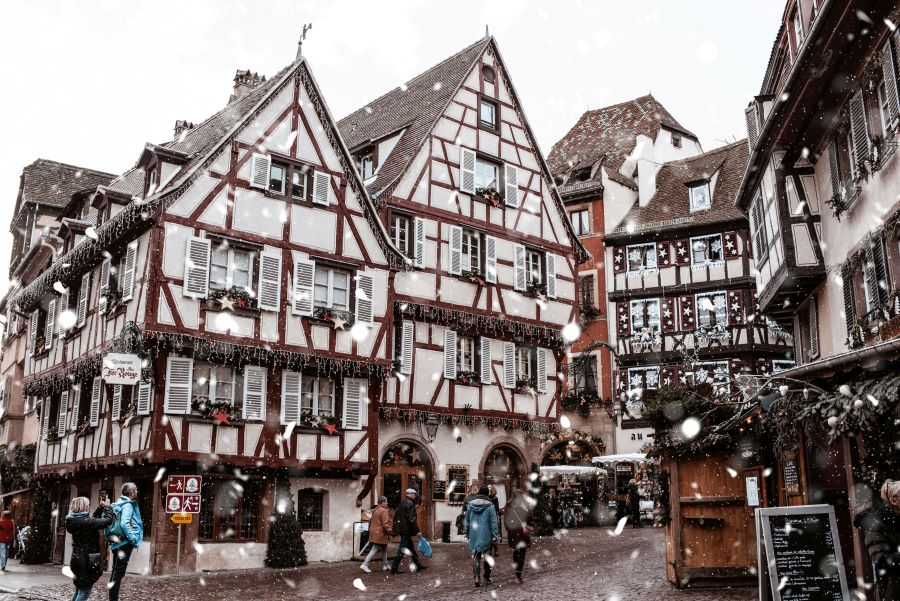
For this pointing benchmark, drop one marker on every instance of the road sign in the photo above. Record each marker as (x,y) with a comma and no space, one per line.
(182,518)
(183,494)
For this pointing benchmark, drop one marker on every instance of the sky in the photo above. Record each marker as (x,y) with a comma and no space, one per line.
(90,82)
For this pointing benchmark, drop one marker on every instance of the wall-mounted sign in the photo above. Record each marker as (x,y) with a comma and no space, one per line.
(791,472)
(458,480)
(183,494)
(439,490)
(752,491)
(119,368)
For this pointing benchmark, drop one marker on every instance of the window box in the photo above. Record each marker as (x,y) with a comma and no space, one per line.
(537,289)
(524,386)
(841,202)
(491,195)
(307,419)
(207,408)
(715,333)
(467,378)
(328,314)
(589,313)
(474,276)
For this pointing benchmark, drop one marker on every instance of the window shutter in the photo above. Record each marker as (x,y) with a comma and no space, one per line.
(736,315)
(619,262)
(542,370)
(486,375)
(406,347)
(75,407)
(871,275)
(196,268)
(509,365)
(682,252)
(419,243)
(179,381)
(144,398)
(519,259)
(450,354)
(45,415)
(102,301)
(490,260)
(259,171)
(662,254)
(813,329)
(752,124)
(321,184)
(254,393)
(269,297)
(455,239)
(130,266)
(688,314)
(354,404)
(668,314)
(96,391)
(32,331)
(304,275)
(511,179)
(466,171)
(290,397)
(623,319)
(888,68)
(84,293)
(63,307)
(551,275)
(849,300)
(49,324)
(879,261)
(63,411)
(798,336)
(834,166)
(731,245)
(858,127)
(117,403)
(365,290)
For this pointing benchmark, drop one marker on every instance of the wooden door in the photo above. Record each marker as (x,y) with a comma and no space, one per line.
(59,544)
(394,482)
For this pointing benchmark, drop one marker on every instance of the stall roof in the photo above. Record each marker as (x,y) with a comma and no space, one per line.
(620,457)
(569,469)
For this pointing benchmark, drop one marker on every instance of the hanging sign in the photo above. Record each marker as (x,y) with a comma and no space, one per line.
(120,368)
(183,494)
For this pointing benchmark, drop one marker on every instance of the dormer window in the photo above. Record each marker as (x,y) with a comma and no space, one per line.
(152,181)
(700,198)
(676,140)
(366,166)
(487,114)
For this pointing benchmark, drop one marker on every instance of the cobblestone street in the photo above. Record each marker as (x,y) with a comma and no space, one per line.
(582,564)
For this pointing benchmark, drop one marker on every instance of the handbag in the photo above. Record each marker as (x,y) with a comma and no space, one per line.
(424,547)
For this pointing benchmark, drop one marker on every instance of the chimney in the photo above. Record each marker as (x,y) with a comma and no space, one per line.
(244,83)
(181,127)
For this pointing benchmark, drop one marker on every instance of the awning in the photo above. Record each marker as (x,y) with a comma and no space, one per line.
(578,470)
(15,492)
(620,457)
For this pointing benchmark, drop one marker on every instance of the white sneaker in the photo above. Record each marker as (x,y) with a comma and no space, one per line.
(365,569)
(385,568)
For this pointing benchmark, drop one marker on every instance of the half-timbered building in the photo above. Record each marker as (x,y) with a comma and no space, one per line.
(465,193)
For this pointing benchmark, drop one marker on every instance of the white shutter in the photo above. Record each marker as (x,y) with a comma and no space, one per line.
(259,170)
(96,391)
(32,331)
(542,370)
(455,239)
(84,293)
(63,307)
(486,361)
(290,397)
(858,127)
(511,181)
(509,365)
(45,414)
(813,329)
(304,275)
(63,409)
(179,381)
(365,291)
(406,347)
(104,285)
(254,393)
(117,403)
(752,124)
(519,260)
(127,278)
(196,267)
(321,185)
(269,281)
(890,83)
(490,259)
(144,398)
(419,241)
(467,170)
(49,324)
(76,407)
(355,409)
(450,354)
(551,275)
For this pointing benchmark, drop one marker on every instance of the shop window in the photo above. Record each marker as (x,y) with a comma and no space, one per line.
(706,250)
(644,314)
(229,510)
(311,509)
(711,309)
(641,257)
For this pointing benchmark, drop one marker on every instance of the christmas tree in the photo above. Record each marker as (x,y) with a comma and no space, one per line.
(286,548)
(38,549)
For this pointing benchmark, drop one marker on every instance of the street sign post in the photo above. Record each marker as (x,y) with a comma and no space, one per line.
(182,501)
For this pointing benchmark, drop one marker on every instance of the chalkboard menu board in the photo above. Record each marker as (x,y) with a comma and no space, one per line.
(791,476)
(458,478)
(800,552)
(439,490)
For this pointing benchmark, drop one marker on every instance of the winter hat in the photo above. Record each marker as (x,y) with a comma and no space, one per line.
(412,491)
(483,491)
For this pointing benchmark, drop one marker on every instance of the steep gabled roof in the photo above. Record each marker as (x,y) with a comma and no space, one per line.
(414,107)
(669,208)
(52,184)
(609,134)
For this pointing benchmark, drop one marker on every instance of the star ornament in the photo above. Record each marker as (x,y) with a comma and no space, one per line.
(330,428)
(339,323)
(221,417)
(227,303)
(415,455)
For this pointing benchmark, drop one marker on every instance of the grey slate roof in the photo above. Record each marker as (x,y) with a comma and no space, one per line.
(415,106)
(53,184)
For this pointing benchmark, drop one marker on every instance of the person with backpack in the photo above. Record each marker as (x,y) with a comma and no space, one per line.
(7,538)
(86,562)
(125,535)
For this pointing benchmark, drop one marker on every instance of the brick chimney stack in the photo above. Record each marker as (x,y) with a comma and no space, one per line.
(182,126)
(244,83)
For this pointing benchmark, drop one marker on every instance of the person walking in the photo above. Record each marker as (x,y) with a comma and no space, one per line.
(634,503)
(519,522)
(406,526)
(461,518)
(380,530)
(86,562)
(492,494)
(129,536)
(483,531)
(880,526)
(7,538)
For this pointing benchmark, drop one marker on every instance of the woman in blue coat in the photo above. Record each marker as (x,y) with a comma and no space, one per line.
(483,531)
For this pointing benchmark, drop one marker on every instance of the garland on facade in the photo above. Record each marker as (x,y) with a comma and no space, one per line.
(408,416)
(483,324)
(81,370)
(571,434)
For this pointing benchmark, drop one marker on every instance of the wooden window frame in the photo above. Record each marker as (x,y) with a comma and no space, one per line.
(531,375)
(488,73)
(315,407)
(252,276)
(479,265)
(332,268)
(587,292)
(706,238)
(290,167)
(677,140)
(236,400)
(408,246)
(254,490)
(713,315)
(481,158)
(484,100)
(645,315)
(760,234)
(319,521)
(584,220)
(696,186)
(461,339)
(646,246)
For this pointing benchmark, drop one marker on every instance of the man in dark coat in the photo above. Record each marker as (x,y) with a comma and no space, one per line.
(880,526)
(406,526)
(634,504)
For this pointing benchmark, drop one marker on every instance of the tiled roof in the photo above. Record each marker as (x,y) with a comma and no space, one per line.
(131,182)
(53,184)
(669,208)
(610,132)
(414,106)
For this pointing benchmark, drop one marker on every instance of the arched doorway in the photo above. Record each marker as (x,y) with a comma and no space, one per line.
(406,465)
(569,452)
(504,468)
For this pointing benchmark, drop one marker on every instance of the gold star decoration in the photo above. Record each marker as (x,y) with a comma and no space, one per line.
(416,456)
(227,302)
(339,323)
